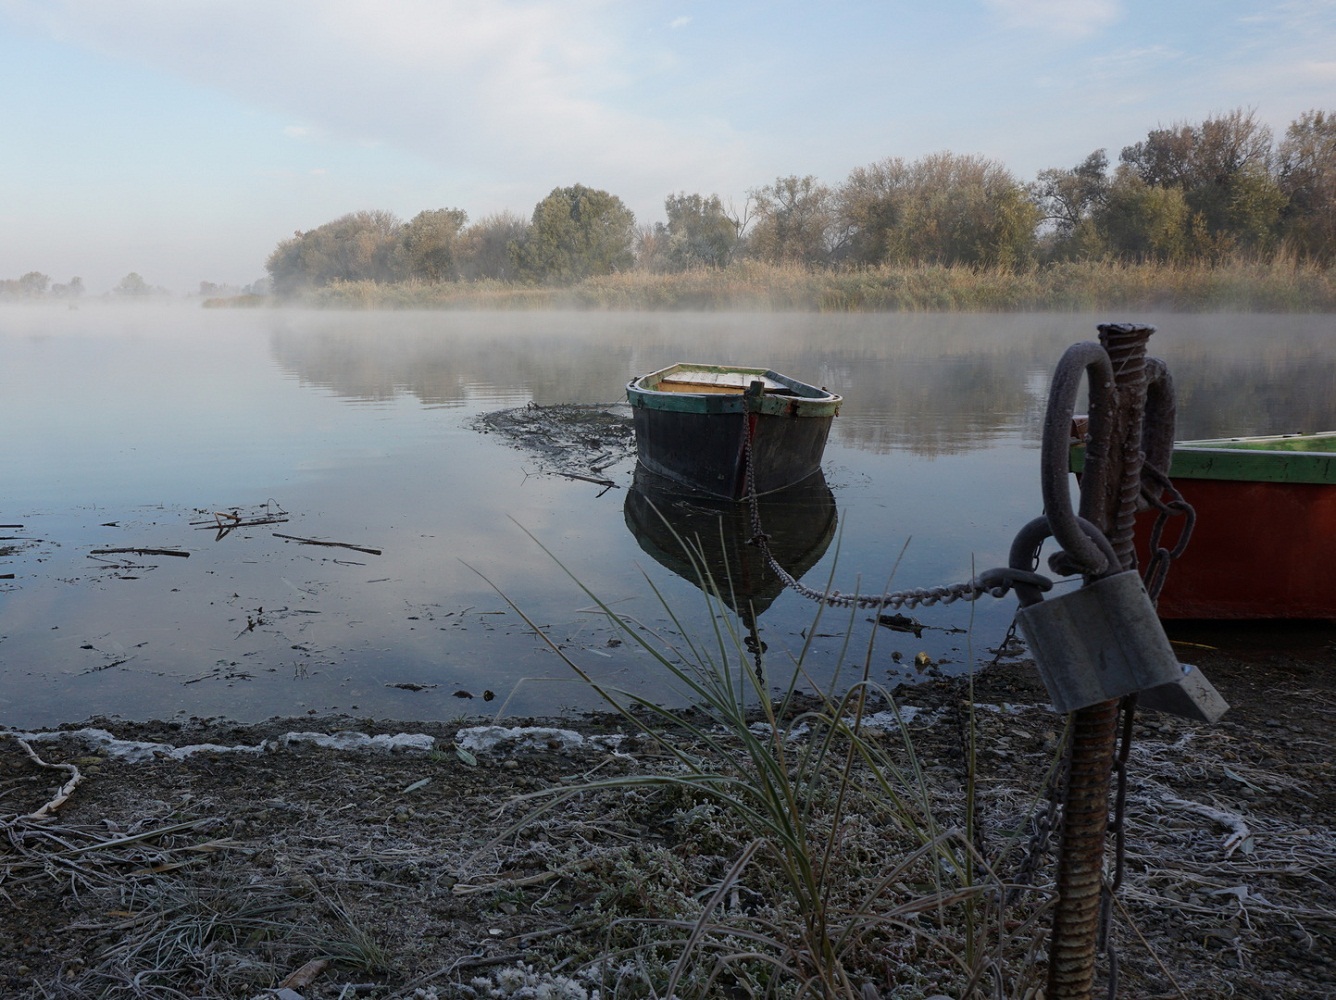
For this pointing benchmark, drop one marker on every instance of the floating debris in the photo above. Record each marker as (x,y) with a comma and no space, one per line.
(567,439)
(901,623)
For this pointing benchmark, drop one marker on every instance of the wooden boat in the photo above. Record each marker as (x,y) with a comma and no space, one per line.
(693,422)
(706,540)
(1265,541)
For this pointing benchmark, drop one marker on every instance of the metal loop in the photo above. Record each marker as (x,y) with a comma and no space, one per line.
(1004,578)
(1029,540)
(1091,360)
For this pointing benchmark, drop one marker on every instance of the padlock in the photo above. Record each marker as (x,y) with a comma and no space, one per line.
(1100,642)
(1190,696)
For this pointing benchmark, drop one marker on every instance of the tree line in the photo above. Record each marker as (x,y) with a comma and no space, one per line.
(1191,193)
(36,285)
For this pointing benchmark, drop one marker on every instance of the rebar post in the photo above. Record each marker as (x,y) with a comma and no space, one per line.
(1111,506)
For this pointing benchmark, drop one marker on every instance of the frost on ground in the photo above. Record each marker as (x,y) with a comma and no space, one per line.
(213,860)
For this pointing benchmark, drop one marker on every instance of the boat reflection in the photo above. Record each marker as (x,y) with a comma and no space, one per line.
(669,521)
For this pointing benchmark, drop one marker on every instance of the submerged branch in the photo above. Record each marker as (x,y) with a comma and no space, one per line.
(337,545)
(140,552)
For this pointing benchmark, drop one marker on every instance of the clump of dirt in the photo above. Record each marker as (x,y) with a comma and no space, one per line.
(566,439)
(374,865)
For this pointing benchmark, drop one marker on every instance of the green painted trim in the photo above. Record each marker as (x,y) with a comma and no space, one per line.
(1289,459)
(808,401)
(1323,442)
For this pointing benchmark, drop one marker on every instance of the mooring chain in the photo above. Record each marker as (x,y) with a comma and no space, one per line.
(993,582)
(1045,823)
(1155,482)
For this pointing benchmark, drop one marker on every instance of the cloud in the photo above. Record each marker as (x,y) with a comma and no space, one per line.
(679,22)
(1065,18)
(505,89)
(1319,71)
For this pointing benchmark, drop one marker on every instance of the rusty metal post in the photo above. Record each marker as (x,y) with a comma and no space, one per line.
(1115,511)
(1111,506)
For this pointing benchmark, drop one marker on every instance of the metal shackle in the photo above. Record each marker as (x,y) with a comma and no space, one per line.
(1025,554)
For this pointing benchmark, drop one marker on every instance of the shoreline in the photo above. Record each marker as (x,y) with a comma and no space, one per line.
(402,864)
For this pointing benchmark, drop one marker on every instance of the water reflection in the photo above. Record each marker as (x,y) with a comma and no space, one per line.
(930,385)
(707,542)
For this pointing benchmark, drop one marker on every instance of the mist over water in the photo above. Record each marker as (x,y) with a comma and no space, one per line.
(127,428)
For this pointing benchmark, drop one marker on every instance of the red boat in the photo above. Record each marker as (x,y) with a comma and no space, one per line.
(1265,541)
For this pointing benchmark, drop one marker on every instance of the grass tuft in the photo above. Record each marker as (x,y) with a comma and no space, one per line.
(846,869)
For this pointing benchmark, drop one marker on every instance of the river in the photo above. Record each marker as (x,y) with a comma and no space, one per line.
(143,427)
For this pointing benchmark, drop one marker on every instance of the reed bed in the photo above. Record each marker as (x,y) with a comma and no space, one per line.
(1278,285)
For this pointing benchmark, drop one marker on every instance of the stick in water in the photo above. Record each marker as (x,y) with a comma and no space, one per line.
(141,552)
(337,545)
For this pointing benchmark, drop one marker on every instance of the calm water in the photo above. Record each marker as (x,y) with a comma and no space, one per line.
(125,428)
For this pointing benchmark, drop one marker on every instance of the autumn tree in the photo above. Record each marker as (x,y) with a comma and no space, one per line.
(32,285)
(576,232)
(1141,222)
(796,222)
(1307,176)
(71,290)
(485,248)
(650,247)
(942,209)
(1068,201)
(699,232)
(1223,168)
(132,286)
(430,245)
(871,204)
(360,246)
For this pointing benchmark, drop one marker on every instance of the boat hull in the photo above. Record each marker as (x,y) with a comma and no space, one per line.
(699,438)
(1264,545)
(1259,550)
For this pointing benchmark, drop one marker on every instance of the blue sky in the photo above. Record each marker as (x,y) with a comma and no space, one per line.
(183,139)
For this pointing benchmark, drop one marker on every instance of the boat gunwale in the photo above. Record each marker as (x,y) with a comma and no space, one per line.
(802,400)
(1214,459)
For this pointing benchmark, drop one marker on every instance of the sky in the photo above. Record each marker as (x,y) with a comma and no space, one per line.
(183,139)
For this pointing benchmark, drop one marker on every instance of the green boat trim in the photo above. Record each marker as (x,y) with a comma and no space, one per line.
(1282,458)
(724,390)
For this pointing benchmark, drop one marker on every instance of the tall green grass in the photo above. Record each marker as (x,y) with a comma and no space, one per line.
(1278,285)
(860,860)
